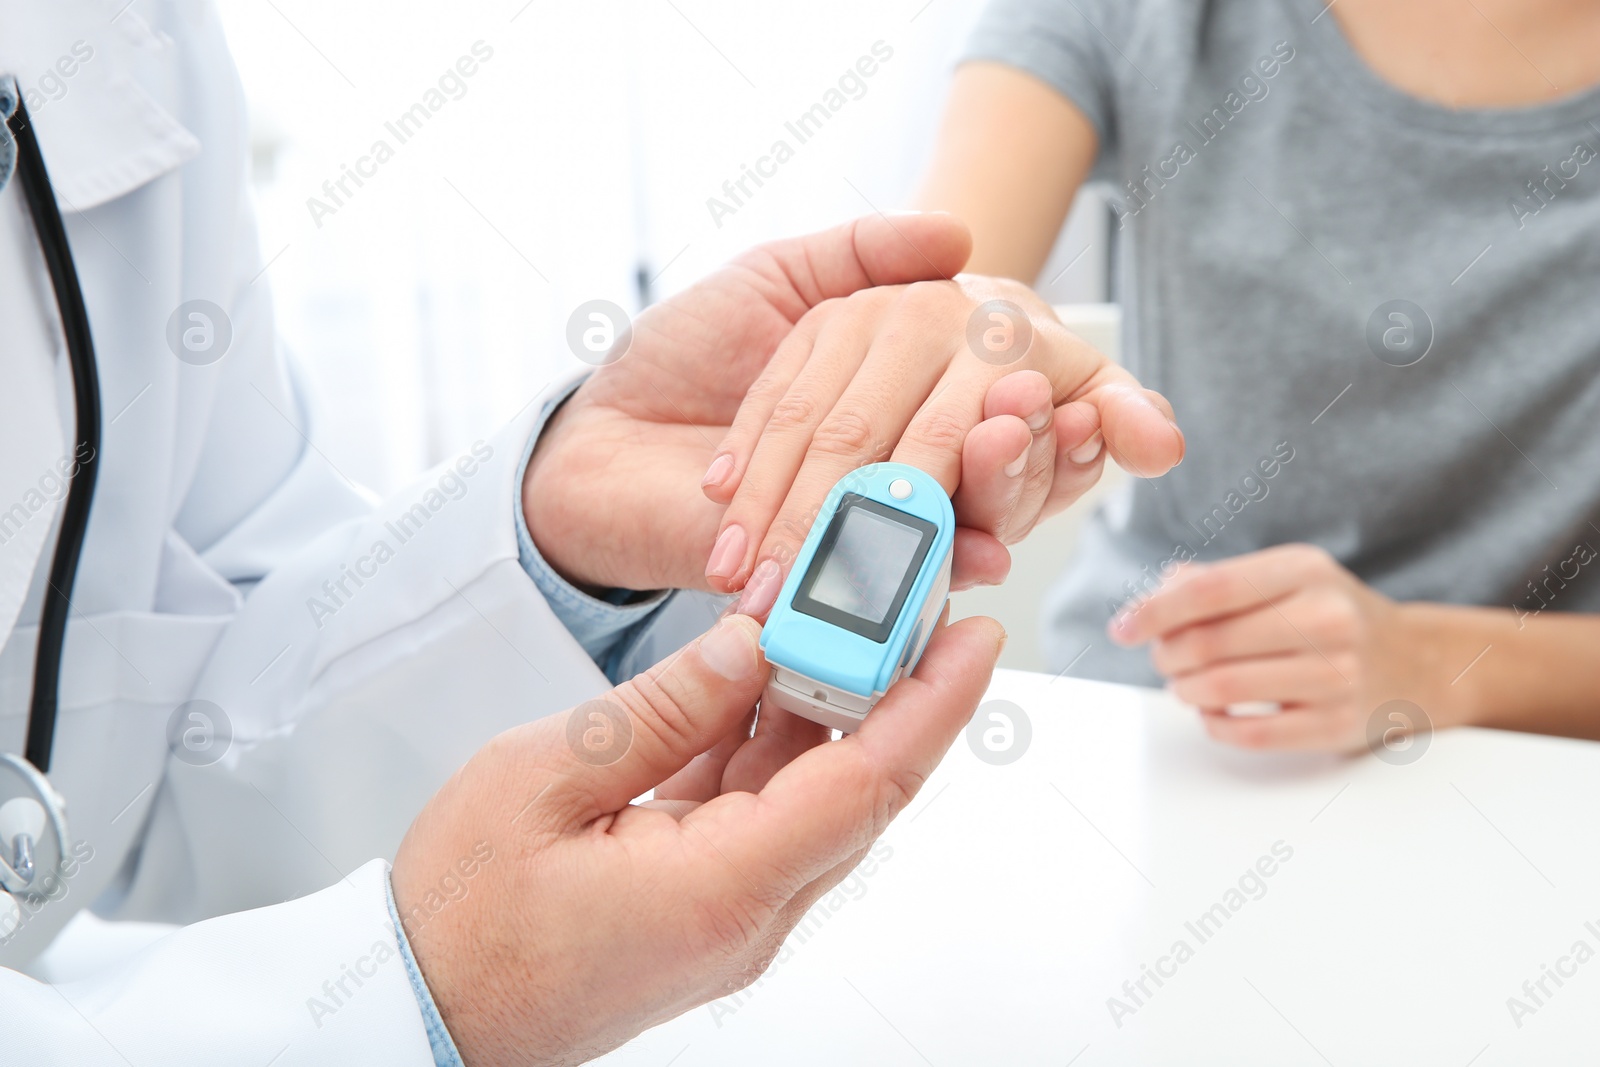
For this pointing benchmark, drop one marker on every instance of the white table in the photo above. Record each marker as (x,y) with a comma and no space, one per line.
(1019,898)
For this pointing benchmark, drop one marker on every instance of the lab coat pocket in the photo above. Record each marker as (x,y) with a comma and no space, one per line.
(125,708)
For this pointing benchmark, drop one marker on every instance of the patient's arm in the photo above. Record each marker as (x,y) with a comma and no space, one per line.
(1291,626)
(1539,673)
(1010,157)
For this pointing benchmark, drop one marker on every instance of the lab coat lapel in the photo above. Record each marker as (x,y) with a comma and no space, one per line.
(31,485)
(101,133)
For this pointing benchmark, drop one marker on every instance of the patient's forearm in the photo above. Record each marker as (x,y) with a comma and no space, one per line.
(1010,156)
(1535,673)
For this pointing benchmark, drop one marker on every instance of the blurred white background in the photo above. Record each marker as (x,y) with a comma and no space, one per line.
(576,162)
(432,303)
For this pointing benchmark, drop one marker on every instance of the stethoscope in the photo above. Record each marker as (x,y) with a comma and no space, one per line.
(27,868)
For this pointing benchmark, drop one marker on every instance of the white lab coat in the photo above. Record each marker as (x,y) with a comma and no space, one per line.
(215,527)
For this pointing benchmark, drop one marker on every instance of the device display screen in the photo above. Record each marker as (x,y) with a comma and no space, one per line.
(864,567)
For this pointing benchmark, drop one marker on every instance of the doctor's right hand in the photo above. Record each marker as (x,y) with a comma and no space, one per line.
(599,917)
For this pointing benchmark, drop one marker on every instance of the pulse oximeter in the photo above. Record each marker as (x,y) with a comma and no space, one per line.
(863,596)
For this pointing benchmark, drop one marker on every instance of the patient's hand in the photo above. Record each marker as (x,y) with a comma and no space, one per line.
(1289,626)
(612,494)
(800,361)
(973,380)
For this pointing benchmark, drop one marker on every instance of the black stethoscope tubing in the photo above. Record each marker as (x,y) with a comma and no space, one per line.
(52,234)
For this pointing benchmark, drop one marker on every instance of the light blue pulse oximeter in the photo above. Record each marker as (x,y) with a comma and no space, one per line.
(863,595)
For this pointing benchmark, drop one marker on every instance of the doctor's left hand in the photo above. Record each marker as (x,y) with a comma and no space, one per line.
(613,493)
(761,386)
(597,917)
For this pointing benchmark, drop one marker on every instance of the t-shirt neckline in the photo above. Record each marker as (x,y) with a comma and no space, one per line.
(1578,108)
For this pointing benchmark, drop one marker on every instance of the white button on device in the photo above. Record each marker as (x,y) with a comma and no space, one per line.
(899,488)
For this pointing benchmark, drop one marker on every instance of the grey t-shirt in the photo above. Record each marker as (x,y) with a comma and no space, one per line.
(1377,317)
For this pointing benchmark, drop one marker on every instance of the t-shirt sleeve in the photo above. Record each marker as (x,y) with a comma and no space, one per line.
(1067,44)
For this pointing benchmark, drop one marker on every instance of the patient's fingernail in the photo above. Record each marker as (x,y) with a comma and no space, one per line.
(727,553)
(1121,627)
(761,592)
(1041,418)
(1014,468)
(730,650)
(1087,452)
(718,472)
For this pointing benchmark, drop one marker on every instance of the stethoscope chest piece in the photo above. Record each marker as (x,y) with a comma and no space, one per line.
(33,834)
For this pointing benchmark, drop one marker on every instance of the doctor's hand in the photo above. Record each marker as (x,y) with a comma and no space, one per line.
(612,494)
(972,380)
(596,917)
(1286,626)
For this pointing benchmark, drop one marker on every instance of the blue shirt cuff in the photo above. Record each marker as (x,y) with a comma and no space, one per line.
(439,1040)
(607,625)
